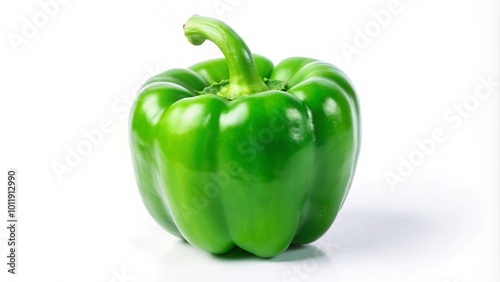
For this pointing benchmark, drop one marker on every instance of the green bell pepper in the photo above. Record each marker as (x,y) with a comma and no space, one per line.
(238,152)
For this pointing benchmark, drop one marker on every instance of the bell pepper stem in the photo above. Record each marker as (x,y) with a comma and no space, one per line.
(243,76)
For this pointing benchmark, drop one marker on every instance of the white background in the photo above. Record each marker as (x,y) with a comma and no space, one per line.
(80,67)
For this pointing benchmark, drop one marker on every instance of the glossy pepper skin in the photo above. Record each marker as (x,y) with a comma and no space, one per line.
(238,152)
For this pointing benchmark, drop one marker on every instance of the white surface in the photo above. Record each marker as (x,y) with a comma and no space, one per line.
(441,224)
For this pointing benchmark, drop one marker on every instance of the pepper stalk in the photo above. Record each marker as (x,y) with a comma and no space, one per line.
(243,75)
